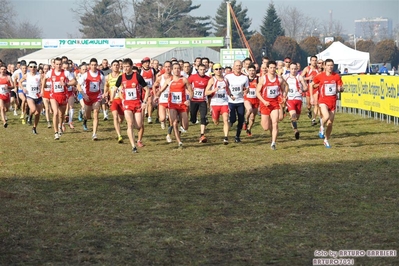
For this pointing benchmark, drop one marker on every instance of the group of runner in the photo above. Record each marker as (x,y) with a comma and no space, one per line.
(176,89)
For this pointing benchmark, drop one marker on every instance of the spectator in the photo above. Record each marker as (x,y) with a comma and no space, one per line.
(383,69)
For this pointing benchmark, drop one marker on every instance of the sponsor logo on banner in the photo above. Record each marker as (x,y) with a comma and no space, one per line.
(371,93)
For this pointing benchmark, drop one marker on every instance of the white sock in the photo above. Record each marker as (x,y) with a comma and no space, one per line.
(105,112)
(70,115)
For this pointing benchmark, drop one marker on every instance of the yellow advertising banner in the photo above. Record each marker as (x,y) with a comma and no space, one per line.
(377,93)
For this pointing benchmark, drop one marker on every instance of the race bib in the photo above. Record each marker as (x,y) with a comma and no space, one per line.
(198,93)
(176,97)
(94,86)
(3,89)
(235,89)
(58,88)
(252,93)
(221,95)
(48,86)
(149,82)
(272,91)
(330,89)
(130,94)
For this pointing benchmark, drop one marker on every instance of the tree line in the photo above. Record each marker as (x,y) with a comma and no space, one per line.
(287,32)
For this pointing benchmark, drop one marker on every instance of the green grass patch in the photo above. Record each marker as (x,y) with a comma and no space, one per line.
(78,201)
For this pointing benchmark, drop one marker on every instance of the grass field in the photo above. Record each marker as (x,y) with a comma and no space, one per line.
(75,201)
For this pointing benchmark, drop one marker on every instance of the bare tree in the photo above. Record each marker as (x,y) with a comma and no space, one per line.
(7,15)
(292,21)
(27,31)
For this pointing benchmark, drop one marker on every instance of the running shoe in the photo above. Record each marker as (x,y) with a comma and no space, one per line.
(80,116)
(156,121)
(321,135)
(23,122)
(22,116)
(60,131)
(203,139)
(297,135)
(326,144)
(273,146)
(249,133)
(15,113)
(34,130)
(71,126)
(134,149)
(168,138)
(94,137)
(140,144)
(237,140)
(105,117)
(163,125)
(5,125)
(85,127)
(48,124)
(56,136)
(314,122)
(149,120)
(182,130)
(180,145)
(29,121)
(225,141)
(310,114)
(120,139)
(244,126)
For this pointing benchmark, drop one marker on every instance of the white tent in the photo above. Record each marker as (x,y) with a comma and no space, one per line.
(346,57)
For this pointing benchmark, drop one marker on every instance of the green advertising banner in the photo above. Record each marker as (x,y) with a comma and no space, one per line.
(20,43)
(228,56)
(175,42)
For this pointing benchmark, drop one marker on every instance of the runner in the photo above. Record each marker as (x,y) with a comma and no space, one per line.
(198,102)
(81,71)
(238,85)
(33,93)
(162,98)
(115,101)
(46,95)
(269,88)
(218,88)
(104,102)
(296,86)
(60,79)
(177,101)
(5,87)
(251,102)
(148,73)
(130,94)
(309,73)
(70,98)
(330,84)
(16,78)
(91,85)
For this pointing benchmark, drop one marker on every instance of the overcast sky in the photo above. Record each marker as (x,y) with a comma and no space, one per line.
(56,19)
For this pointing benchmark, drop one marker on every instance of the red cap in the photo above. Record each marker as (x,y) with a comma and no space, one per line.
(138,64)
(145,59)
